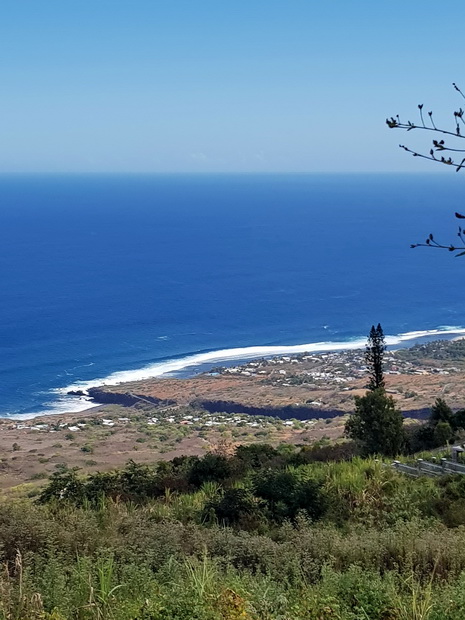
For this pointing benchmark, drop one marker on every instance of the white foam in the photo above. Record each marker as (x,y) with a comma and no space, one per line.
(68,404)
(440,331)
(162,368)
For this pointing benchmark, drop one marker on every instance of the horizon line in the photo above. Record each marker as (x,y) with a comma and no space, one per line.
(212,173)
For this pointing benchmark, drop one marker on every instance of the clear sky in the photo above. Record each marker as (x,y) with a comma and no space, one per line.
(223,85)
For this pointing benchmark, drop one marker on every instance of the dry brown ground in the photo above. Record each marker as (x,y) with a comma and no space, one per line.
(30,456)
(412,392)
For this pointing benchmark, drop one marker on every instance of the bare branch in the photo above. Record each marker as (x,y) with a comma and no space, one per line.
(395,123)
(458,89)
(439,146)
(449,161)
(451,247)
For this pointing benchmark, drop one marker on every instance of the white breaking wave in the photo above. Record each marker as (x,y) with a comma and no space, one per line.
(225,355)
(73,404)
(65,404)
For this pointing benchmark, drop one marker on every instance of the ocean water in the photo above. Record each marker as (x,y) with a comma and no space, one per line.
(110,278)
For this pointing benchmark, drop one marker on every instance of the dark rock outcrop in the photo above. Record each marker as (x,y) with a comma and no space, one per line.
(285,412)
(126,399)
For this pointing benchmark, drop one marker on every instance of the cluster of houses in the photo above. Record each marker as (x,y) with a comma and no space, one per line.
(55,427)
(169,416)
(333,368)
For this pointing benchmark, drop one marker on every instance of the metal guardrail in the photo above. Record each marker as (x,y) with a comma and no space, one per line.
(453,467)
(406,469)
(432,469)
(427,468)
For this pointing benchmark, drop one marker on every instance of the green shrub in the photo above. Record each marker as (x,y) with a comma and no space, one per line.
(286,493)
(234,506)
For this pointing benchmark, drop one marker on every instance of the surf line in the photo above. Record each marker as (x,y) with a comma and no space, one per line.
(160,369)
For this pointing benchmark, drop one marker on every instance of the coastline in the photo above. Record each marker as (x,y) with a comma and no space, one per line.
(153,388)
(297,399)
(191,365)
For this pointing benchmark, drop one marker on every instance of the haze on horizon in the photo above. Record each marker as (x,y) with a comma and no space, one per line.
(244,86)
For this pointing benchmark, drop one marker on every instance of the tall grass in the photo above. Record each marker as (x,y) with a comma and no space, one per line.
(382,551)
(419,603)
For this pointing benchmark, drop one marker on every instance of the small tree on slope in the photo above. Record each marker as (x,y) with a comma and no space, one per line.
(441,412)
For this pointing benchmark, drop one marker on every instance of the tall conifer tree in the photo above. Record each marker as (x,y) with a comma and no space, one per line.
(374,354)
(376,422)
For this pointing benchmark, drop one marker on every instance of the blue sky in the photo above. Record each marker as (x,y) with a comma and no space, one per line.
(222,86)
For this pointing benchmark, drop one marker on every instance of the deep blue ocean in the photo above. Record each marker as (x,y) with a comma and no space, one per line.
(150,274)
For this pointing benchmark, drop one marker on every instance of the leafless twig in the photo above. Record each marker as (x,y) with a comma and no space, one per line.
(438,146)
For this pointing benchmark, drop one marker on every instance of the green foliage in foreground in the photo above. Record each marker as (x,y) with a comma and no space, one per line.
(272,535)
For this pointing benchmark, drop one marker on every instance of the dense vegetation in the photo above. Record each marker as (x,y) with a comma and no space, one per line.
(263,534)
